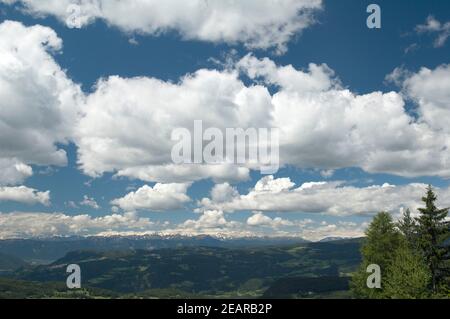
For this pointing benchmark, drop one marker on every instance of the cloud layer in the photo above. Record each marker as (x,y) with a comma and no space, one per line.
(28,225)
(214,223)
(326,126)
(322,125)
(124,126)
(331,198)
(260,24)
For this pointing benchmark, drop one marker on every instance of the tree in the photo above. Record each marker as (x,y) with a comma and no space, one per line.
(432,232)
(381,243)
(408,227)
(407,277)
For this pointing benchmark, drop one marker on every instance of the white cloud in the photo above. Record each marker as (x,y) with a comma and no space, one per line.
(259,219)
(31,225)
(13,172)
(340,229)
(258,24)
(271,185)
(411,48)
(150,109)
(327,173)
(161,197)
(433,26)
(71,204)
(223,192)
(324,126)
(89,202)
(331,198)
(22,194)
(26,225)
(430,89)
(38,103)
(317,78)
(209,219)
(214,223)
(185,173)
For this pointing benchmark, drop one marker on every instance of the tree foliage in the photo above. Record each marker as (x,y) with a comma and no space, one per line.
(412,254)
(408,227)
(382,241)
(407,277)
(432,232)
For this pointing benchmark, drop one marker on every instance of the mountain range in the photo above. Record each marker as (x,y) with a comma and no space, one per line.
(290,270)
(47,250)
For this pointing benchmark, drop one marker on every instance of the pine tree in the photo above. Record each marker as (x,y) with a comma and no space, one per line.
(408,227)
(432,232)
(381,242)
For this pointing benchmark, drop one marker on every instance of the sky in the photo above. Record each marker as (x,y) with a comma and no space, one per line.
(91,90)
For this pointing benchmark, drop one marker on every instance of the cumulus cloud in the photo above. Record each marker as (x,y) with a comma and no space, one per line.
(325,126)
(258,24)
(161,197)
(89,202)
(430,89)
(13,172)
(221,193)
(28,225)
(259,219)
(23,194)
(150,110)
(331,198)
(124,126)
(214,223)
(209,219)
(38,103)
(433,26)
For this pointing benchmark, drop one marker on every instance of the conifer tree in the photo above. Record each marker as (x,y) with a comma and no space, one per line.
(408,227)
(381,242)
(432,232)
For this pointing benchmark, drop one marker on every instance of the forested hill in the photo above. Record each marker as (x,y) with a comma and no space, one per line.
(208,271)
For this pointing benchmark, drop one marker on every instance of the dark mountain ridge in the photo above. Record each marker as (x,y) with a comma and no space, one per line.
(207,271)
(9,263)
(46,250)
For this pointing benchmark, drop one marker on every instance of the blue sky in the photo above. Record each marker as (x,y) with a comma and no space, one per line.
(361,58)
